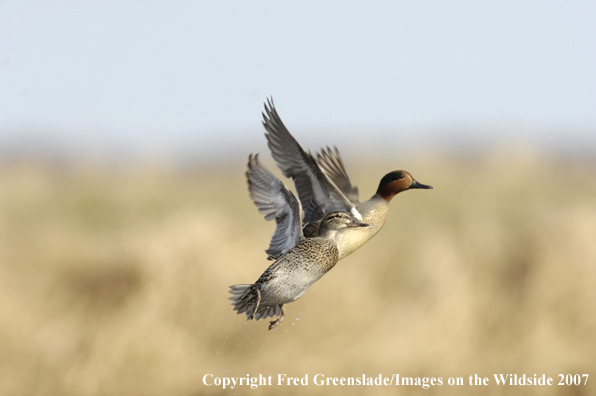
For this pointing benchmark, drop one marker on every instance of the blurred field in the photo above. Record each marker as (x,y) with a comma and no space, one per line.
(114,282)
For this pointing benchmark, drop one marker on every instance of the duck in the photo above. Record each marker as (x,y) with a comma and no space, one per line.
(323,186)
(303,261)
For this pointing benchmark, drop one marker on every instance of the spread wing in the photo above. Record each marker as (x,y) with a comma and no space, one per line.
(275,201)
(332,164)
(310,181)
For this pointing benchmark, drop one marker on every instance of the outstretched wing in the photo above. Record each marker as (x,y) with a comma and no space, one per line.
(275,201)
(310,181)
(332,164)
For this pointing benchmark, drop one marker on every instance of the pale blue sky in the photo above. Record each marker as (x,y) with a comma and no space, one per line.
(191,68)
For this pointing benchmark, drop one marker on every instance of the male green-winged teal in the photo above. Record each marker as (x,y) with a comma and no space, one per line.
(303,261)
(323,186)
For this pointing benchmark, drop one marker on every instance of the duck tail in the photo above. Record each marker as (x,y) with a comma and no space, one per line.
(244,299)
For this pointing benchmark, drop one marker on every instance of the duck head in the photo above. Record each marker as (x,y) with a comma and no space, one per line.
(336,221)
(396,182)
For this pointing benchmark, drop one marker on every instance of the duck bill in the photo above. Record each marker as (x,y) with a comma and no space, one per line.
(415,184)
(357,224)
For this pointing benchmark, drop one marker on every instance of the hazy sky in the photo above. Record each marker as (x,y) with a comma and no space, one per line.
(193,67)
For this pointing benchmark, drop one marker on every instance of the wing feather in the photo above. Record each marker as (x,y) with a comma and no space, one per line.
(275,201)
(310,181)
(332,164)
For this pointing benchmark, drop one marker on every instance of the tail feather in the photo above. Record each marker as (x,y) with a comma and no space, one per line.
(244,298)
(238,289)
(266,312)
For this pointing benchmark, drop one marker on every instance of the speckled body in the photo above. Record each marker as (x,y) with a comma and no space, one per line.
(289,277)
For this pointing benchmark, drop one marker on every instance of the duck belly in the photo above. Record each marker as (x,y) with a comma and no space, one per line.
(286,289)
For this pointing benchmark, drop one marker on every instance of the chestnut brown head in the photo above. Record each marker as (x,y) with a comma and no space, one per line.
(397,181)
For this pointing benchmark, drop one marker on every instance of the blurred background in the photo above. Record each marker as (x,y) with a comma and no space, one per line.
(124,215)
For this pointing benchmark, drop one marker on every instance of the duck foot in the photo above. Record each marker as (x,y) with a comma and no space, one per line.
(257,304)
(277,321)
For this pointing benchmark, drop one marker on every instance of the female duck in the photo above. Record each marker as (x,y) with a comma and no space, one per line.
(304,262)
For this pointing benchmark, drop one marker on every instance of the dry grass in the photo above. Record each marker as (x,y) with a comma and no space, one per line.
(115,282)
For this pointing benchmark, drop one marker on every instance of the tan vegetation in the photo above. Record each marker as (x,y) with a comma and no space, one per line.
(115,281)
